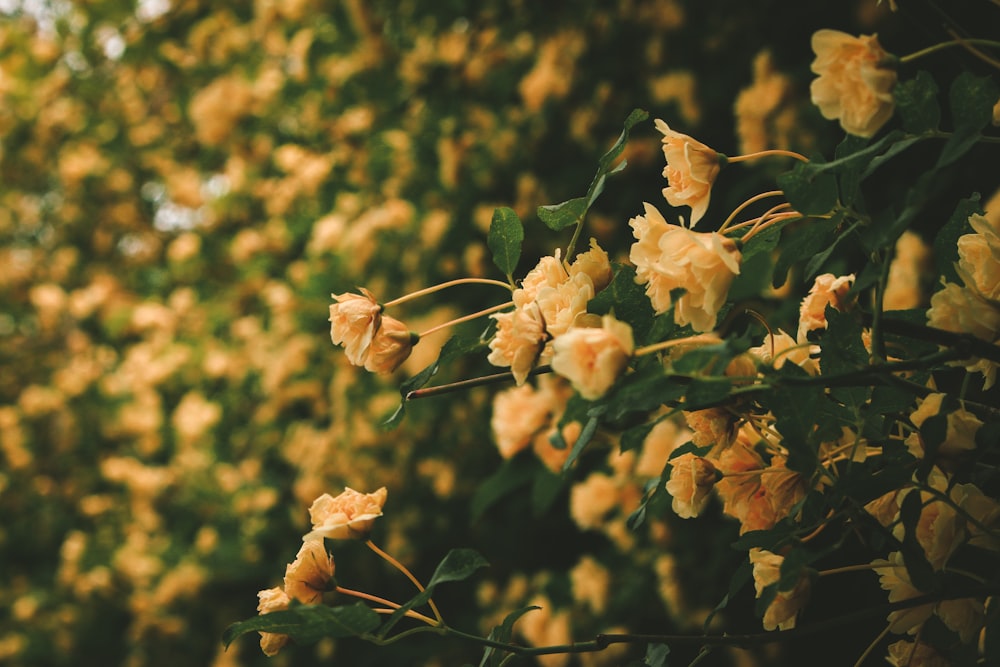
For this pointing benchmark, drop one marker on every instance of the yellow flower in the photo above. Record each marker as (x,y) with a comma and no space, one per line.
(354,319)
(691,481)
(390,347)
(519,340)
(786,605)
(349,515)
(892,577)
(979,258)
(592,359)
(272,599)
(855,83)
(668,257)
(307,576)
(690,172)
(827,290)
(964,310)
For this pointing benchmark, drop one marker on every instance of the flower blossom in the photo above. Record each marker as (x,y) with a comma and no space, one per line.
(893,577)
(855,81)
(519,340)
(690,484)
(349,515)
(272,599)
(668,257)
(690,172)
(827,290)
(390,347)
(593,359)
(964,310)
(307,576)
(962,425)
(784,609)
(979,258)
(354,319)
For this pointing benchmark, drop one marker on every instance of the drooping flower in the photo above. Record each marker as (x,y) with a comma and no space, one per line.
(307,576)
(690,172)
(668,257)
(354,319)
(272,599)
(855,81)
(390,347)
(691,481)
(593,359)
(349,515)
(519,340)
(784,609)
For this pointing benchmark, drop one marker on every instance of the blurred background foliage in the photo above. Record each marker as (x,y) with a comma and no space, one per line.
(182,186)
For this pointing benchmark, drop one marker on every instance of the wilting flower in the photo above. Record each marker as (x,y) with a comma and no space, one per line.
(786,605)
(519,340)
(349,515)
(272,599)
(390,347)
(668,257)
(827,290)
(690,172)
(592,359)
(855,81)
(691,481)
(307,576)
(354,319)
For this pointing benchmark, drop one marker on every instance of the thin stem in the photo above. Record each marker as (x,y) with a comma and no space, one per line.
(871,647)
(772,151)
(388,603)
(571,246)
(774,220)
(878,340)
(958,41)
(466,318)
(967,45)
(445,285)
(452,387)
(863,567)
(748,202)
(707,339)
(409,575)
(753,222)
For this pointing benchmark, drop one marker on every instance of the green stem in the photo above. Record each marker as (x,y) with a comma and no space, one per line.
(572,242)
(878,341)
(409,575)
(946,45)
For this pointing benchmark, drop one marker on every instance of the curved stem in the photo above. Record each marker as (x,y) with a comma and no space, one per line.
(392,606)
(958,41)
(708,339)
(445,285)
(466,318)
(755,198)
(770,152)
(862,567)
(791,215)
(409,575)
(753,222)
(871,647)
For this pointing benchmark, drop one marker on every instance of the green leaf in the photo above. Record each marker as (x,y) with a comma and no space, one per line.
(916,103)
(492,657)
(454,347)
(806,242)
(566,214)
(797,410)
(809,191)
(971,99)
(634,118)
(513,474)
(586,435)
(656,655)
(628,300)
(505,238)
(642,391)
(545,488)
(842,350)
(457,565)
(920,571)
(850,176)
(706,392)
(946,241)
(635,436)
(309,623)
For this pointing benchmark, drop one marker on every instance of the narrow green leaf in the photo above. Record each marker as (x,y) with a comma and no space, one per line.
(637,116)
(309,623)
(566,214)
(628,300)
(850,175)
(946,241)
(582,441)
(971,99)
(492,657)
(804,243)
(706,392)
(920,571)
(505,238)
(809,191)
(457,565)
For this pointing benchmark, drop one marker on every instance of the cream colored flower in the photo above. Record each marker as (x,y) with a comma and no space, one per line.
(354,319)
(690,172)
(979,258)
(983,510)
(938,529)
(691,481)
(668,257)
(390,347)
(549,272)
(349,515)
(519,340)
(781,614)
(519,414)
(713,427)
(595,264)
(827,290)
(961,425)
(963,310)
(272,599)
(855,81)
(892,577)
(307,576)
(915,654)
(910,266)
(564,305)
(591,500)
(593,359)
(780,347)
